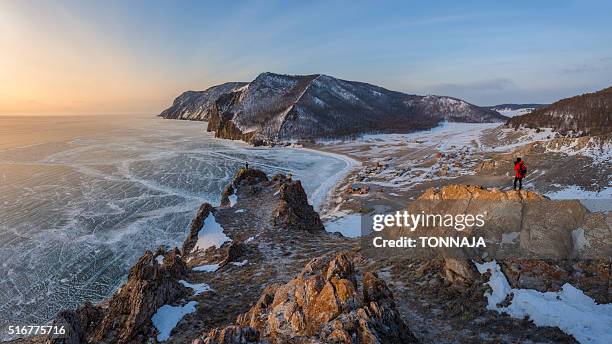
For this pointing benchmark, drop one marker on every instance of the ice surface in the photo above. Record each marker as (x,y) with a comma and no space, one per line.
(76,215)
(167,317)
(348,225)
(568,309)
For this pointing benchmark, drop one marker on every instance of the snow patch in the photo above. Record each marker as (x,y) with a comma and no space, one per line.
(233,199)
(166,318)
(242,263)
(160,259)
(198,288)
(568,309)
(211,234)
(206,268)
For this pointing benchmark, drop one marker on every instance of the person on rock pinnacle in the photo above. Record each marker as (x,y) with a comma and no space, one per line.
(520,170)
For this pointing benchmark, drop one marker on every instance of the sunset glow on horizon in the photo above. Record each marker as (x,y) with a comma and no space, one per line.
(132,57)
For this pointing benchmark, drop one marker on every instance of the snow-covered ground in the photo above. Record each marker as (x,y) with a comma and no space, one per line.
(167,316)
(512,113)
(568,309)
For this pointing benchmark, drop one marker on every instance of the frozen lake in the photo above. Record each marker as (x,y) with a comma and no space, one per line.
(82,198)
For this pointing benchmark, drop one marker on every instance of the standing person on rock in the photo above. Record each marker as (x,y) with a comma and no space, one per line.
(520,170)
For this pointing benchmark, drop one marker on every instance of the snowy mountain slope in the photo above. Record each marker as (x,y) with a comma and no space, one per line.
(590,113)
(276,107)
(195,105)
(512,110)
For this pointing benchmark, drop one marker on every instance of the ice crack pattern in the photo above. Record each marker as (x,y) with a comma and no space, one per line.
(76,214)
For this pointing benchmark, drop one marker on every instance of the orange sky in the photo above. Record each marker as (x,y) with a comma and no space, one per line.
(122,57)
(53,62)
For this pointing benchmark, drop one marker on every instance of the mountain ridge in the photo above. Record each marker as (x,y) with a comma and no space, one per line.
(283,108)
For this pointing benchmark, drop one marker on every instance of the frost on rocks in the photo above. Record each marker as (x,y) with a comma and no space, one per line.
(166,318)
(568,309)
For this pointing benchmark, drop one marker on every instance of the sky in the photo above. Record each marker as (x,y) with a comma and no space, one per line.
(134,57)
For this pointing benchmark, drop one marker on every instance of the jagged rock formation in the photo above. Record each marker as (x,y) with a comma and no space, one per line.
(320,305)
(589,113)
(293,211)
(126,318)
(196,105)
(277,108)
(196,225)
(249,176)
(225,196)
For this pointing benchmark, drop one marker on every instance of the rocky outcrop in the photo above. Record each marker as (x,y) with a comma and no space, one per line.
(234,252)
(280,108)
(249,176)
(150,285)
(225,196)
(589,113)
(196,225)
(77,323)
(126,317)
(524,224)
(293,211)
(197,105)
(540,243)
(320,305)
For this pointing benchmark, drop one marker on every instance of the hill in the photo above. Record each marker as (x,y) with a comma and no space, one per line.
(590,113)
(281,108)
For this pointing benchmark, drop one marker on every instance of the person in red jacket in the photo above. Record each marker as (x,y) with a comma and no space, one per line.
(520,170)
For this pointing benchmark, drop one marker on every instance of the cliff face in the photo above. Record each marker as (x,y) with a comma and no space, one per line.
(276,108)
(590,113)
(196,105)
